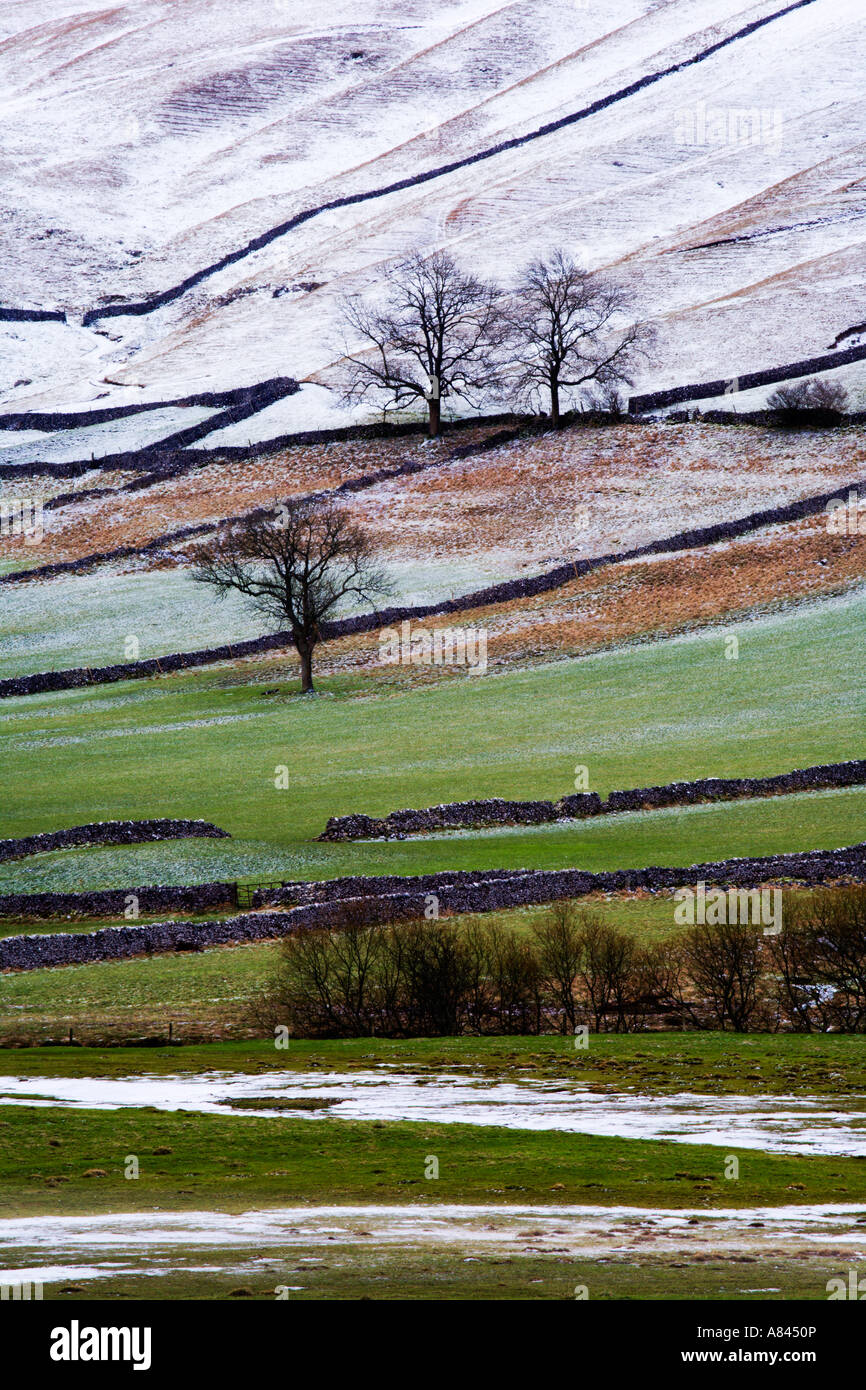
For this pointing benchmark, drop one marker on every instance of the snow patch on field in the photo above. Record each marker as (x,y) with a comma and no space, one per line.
(167,1240)
(776,1124)
(312,408)
(112,437)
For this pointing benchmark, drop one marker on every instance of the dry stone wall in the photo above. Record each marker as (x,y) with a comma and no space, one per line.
(109,832)
(298,907)
(470,814)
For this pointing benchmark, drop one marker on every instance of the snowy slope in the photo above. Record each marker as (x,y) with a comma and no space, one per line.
(144,141)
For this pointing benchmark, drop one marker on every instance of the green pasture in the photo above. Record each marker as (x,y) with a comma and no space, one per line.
(211,745)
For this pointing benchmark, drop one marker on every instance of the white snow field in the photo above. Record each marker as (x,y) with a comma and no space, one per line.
(96,441)
(144,141)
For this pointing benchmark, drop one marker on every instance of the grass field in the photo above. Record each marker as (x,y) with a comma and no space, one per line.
(208,744)
(77,1163)
(389,1273)
(823,820)
(190,1162)
(705,1063)
(67,622)
(673,709)
(647,916)
(59,1163)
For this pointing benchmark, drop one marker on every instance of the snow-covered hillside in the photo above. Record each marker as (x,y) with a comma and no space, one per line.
(144,141)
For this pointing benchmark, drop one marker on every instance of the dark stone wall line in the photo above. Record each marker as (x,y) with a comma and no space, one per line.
(109,832)
(10,315)
(350,485)
(242,404)
(383,900)
(579,806)
(177,461)
(112,902)
(54,422)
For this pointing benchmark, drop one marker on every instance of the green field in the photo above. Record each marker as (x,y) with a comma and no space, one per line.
(400,1272)
(66,622)
(236,1163)
(208,745)
(67,1163)
(662,1063)
(56,1161)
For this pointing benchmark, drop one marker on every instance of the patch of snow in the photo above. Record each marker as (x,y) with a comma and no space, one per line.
(585,1231)
(776,1124)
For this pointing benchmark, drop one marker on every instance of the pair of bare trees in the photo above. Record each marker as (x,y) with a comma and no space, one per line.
(439,333)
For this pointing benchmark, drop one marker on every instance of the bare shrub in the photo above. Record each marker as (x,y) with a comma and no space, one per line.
(431,975)
(819,962)
(559,943)
(359,977)
(667,985)
(516,983)
(724,966)
(608,975)
(809,403)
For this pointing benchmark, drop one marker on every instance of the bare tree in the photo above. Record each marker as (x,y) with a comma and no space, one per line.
(819,961)
(607,974)
(295,567)
(725,966)
(566,333)
(437,334)
(560,944)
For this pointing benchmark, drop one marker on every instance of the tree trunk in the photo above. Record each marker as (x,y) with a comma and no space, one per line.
(305,652)
(433,416)
(554,403)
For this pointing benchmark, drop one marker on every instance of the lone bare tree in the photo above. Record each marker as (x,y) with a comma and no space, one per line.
(294,566)
(436,334)
(564,332)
